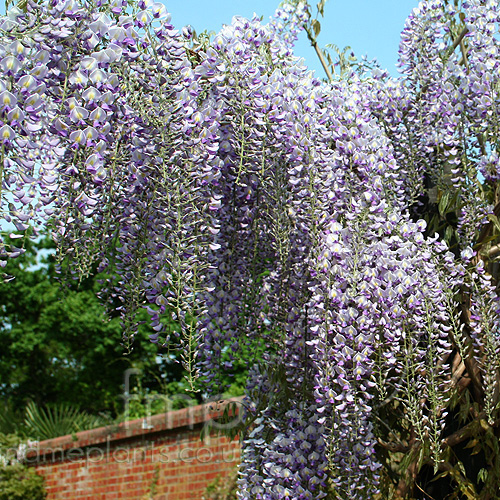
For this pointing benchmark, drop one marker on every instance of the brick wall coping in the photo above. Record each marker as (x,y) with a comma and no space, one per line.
(187,417)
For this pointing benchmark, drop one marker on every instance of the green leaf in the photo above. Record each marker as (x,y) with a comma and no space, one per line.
(203,432)
(440,475)
(460,467)
(477,449)
(57,420)
(316,26)
(321,7)
(443,203)
(482,475)
(471,443)
(493,218)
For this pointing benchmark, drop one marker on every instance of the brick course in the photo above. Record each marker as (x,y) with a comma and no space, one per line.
(162,458)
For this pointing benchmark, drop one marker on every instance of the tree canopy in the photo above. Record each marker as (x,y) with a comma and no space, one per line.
(55,339)
(339,236)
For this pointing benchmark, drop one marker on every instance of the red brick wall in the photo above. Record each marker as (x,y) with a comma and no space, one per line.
(165,461)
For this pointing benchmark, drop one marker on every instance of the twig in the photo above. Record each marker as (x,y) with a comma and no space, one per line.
(314,43)
(459,39)
(424,492)
(463,433)
(394,447)
(494,250)
(406,484)
(457,373)
(481,143)
(473,370)
(464,59)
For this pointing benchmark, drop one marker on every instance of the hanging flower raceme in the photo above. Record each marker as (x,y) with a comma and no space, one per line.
(254,209)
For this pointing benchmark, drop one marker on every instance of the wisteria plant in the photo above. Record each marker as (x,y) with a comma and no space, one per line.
(340,236)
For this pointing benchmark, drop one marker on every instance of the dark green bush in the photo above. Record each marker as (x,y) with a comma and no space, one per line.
(18,482)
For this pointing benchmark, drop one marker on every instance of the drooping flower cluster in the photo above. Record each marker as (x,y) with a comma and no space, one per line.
(222,185)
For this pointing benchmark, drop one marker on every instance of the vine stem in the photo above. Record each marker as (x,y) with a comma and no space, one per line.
(459,38)
(321,58)
(406,484)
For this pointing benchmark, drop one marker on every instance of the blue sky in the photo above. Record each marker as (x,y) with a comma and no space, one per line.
(370,27)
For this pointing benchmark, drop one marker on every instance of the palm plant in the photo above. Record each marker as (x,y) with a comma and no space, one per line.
(58,420)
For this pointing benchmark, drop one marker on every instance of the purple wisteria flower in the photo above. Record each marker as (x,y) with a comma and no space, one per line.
(260,214)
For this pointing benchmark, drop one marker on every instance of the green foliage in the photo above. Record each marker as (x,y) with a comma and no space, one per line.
(58,346)
(223,487)
(18,482)
(60,350)
(57,420)
(9,421)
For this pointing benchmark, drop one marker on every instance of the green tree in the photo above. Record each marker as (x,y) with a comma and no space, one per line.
(58,346)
